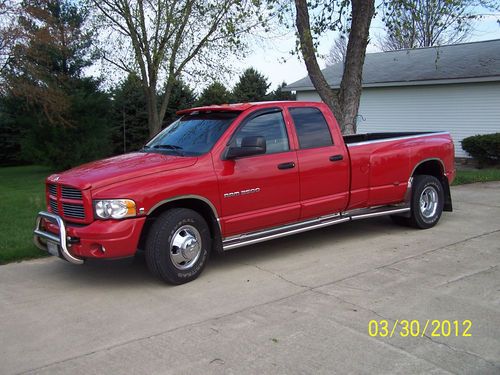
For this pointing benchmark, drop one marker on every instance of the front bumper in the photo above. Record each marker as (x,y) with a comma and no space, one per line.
(100,239)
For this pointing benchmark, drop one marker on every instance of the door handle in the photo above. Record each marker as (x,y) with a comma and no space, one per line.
(286,165)
(336,158)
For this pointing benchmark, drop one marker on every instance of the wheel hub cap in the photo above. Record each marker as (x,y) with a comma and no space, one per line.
(185,247)
(429,202)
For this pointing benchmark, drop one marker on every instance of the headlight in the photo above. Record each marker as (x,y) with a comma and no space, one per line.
(114,208)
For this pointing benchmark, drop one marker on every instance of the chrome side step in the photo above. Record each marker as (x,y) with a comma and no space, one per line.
(240,240)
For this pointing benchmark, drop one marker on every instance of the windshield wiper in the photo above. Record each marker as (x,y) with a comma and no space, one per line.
(171,147)
(174,148)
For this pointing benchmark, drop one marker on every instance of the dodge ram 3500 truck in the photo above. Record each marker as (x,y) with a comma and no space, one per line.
(222,177)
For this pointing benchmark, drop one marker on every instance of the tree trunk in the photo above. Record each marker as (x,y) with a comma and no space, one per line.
(154,124)
(351,84)
(309,54)
(345,103)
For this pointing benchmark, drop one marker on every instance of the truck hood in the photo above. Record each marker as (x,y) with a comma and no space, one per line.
(120,168)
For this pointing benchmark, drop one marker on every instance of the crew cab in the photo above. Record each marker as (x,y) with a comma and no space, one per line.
(222,177)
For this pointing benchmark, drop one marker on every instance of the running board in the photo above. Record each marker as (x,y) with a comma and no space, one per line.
(240,240)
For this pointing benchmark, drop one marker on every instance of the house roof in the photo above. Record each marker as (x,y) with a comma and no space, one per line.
(467,62)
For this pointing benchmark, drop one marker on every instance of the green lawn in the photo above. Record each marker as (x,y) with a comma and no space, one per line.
(468,176)
(22,196)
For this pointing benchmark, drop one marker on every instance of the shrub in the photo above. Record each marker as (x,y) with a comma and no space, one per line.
(485,148)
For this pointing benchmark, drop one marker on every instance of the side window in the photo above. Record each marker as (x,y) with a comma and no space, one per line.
(311,127)
(268,125)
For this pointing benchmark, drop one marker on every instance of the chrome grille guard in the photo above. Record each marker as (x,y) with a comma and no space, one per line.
(60,240)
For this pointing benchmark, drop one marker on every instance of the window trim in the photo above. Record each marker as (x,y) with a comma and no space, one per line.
(297,133)
(250,117)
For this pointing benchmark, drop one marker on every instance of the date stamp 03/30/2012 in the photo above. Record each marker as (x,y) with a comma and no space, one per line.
(417,328)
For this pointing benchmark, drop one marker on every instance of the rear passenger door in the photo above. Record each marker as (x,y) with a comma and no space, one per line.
(323,165)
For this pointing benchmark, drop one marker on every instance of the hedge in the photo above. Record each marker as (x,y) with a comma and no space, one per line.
(485,148)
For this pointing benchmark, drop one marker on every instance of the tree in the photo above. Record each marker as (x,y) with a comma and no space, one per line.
(12,111)
(63,119)
(424,23)
(251,87)
(52,50)
(215,93)
(279,94)
(9,32)
(337,51)
(345,102)
(182,97)
(327,15)
(63,147)
(162,40)
(130,117)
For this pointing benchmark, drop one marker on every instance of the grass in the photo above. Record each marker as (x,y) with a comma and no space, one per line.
(469,176)
(22,196)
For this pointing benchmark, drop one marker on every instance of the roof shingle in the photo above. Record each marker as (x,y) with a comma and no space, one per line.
(476,60)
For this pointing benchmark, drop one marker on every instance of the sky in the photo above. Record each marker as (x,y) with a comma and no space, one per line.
(267,57)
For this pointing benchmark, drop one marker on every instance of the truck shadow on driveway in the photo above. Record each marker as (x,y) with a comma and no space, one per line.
(133,272)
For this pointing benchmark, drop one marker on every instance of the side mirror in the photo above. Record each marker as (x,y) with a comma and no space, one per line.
(254,145)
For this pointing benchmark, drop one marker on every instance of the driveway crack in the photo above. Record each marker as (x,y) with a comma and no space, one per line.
(463,277)
(461,351)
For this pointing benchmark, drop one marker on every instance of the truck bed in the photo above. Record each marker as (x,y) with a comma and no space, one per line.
(367,137)
(382,163)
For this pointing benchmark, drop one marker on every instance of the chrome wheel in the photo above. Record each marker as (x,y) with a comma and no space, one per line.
(185,247)
(429,202)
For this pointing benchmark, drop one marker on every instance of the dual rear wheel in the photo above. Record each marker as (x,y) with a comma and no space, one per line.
(427,202)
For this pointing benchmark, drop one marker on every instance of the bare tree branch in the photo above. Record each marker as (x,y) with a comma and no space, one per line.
(168,36)
(337,52)
(424,23)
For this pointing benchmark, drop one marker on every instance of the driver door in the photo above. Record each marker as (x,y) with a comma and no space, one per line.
(260,191)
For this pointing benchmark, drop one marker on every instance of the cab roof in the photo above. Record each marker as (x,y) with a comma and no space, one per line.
(236,107)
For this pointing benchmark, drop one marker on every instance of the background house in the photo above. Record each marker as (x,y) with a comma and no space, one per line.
(454,88)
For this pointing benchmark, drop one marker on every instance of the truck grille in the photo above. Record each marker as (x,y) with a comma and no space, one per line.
(52,189)
(73,210)
(59,204)
(71,193)
(53,206)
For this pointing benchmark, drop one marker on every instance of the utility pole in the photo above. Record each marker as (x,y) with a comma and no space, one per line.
(124,133)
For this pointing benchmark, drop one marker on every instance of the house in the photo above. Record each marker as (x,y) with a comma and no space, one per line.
(455,88)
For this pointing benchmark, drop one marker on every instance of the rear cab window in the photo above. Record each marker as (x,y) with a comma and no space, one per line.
(311,127)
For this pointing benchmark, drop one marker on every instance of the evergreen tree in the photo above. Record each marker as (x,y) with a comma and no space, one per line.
(279,94)
(67,146)
(215,93)
(251,87)
(130,117)
(65,122)
(12,111)
(182,97)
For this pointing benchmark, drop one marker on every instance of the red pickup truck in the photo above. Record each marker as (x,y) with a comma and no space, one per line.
(222,177)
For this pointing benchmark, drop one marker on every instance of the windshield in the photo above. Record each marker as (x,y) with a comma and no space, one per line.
(191,135)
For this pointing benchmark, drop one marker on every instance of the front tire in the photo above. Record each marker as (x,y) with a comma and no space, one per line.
(427,202)
(178,246)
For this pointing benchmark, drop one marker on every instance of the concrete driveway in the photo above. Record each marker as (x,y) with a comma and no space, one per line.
(297,305)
